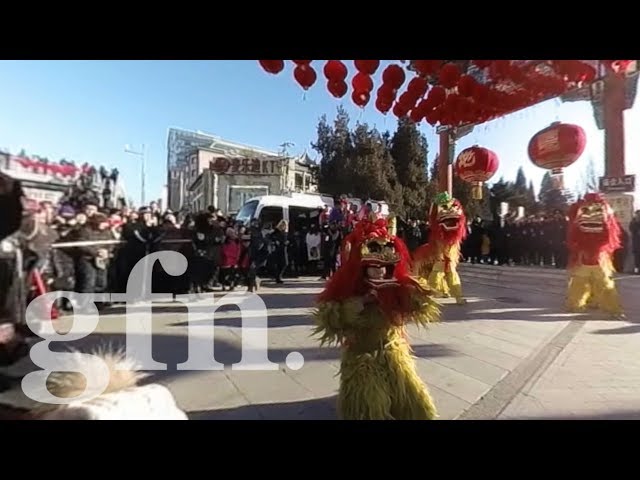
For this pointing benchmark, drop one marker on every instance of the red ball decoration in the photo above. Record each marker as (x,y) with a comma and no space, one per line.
(360,98)
(337,88)
(368,67)
(394,76)
(557,146)
(449,75)
(362,82)
(335,70)
(272,66)
(305,76)
(476,165)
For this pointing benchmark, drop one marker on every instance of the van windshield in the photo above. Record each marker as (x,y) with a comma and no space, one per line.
(247,211)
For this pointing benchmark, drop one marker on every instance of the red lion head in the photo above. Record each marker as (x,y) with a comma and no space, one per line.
(375,260)
(447,220)
(593,226)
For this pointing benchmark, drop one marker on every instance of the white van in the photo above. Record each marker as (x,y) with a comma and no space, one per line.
(296,209)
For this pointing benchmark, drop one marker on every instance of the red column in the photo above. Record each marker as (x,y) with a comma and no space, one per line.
(445,167)
(614,105)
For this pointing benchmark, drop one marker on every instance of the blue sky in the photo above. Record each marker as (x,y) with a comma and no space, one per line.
(88,111)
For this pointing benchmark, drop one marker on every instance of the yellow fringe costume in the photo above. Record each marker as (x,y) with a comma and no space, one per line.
(364,309)
(437,261)
(593,236)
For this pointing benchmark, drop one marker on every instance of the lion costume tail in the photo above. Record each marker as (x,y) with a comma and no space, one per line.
(123,399)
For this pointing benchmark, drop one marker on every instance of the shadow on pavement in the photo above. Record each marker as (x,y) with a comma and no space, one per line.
(629,329)
(618,415)
(274,321)
(315,409)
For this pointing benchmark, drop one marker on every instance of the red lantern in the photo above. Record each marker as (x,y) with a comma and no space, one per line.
(335,70)
(383,105)
(426,67)
(368,67)
(362,82)
(337,88)
(476,165)
(272,66)
(302,62)
(557,146)
(360,98)
(394,76)
(305,76)
(418,87)
(449,75)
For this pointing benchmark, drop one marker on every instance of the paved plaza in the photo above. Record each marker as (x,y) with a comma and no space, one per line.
(510,353)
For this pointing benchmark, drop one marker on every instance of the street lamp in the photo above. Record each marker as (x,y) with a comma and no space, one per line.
(142,155)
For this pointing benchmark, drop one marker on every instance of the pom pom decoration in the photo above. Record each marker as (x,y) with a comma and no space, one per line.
(305,76)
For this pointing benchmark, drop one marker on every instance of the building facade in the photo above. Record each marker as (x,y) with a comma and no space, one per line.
(44,181)
(205,170)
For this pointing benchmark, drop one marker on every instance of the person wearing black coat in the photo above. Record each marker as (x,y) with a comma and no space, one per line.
(280,240)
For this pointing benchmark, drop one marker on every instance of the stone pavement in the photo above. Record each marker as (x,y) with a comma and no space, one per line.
(509,353)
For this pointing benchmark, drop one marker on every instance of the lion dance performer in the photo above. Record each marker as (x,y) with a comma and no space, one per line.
(592,238)
(437,261)
(365,308)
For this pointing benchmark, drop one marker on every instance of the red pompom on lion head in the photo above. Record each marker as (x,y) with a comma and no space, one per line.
(593,226)
(447,221)
(372,259)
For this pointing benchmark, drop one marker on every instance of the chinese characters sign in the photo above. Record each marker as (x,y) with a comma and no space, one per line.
(624,183)
(246,166)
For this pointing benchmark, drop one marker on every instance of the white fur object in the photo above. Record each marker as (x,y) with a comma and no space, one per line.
(123,399)
(150,402)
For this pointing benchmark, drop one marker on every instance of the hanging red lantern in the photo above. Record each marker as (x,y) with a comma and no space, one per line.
(557,146)
(272,66)
(305,76)
(360,98)
(335,70)
(426,67)
(482,64)
(449,75)
(302,62)
(418,87)
(362,82)
(368,67)
(394,76)
(437,95)
(400,110)
(387,92)
(337,88)
(476,165)
(383,105)
(466,85)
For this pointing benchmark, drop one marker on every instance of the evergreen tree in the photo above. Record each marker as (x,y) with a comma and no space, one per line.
(521,180)
(590,181)
(371,169)
(531,197)
(335,148)
(409,151)
(551,197)
(22,153)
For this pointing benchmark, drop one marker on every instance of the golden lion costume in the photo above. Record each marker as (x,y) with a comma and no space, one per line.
(437,261)
(365,308)
(592,238)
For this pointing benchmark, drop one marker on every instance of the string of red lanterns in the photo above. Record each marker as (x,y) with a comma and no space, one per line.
(451,92)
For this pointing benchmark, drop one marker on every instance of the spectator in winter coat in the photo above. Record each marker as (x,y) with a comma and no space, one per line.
(634,228)
(230,256)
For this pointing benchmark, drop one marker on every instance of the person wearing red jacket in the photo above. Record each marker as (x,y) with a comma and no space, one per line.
(230,258)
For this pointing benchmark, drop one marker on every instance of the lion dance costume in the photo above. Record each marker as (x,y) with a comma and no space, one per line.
(592,238)
(437,261)
(365,308)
